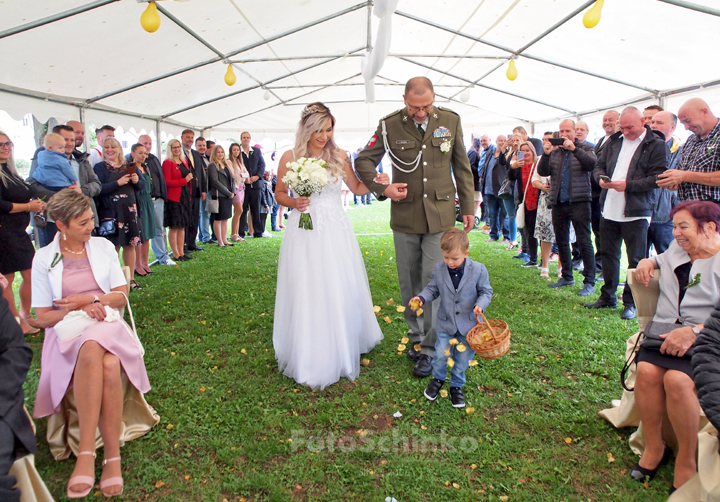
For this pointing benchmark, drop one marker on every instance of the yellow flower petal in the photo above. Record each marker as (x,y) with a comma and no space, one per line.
(401,347)
(461,348)
(365,361)
(243,351)
(417,347)
(453,341)
(404,339)
(376,309)
(447,352)
(443,393)
(468,411)
(450,362)
(568,440)
(456,486)
(419,312)
(400,308)
(387,319)
(390,301)
(473,363)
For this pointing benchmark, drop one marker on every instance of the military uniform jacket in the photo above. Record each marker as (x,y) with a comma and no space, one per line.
(430,203)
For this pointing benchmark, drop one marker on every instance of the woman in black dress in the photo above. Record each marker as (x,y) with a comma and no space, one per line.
(118,200)
(16,248)
(222,188)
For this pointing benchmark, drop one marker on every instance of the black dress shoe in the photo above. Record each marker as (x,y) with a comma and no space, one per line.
(423,367)
(629,312)
(562,283)
(195,248)
(413,354)
(639,473)
(601,304)
(138,274)
(211,241)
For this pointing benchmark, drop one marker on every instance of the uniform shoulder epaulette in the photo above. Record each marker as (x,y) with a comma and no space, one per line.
(447,110)
(391,114)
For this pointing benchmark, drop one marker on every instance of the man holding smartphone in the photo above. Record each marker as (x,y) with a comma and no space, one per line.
(569,169)
(626,171)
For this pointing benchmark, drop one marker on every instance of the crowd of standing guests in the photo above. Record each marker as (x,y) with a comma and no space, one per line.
(566,190)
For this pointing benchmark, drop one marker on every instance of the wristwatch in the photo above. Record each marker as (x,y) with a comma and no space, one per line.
(696,330)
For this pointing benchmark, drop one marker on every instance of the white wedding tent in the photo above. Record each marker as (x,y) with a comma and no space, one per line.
(92,61)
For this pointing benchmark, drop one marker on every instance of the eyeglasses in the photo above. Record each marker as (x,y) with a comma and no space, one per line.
(415,109)
(8,144)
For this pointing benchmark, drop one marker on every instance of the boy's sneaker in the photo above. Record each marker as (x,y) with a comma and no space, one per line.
(456,396)
(433,388)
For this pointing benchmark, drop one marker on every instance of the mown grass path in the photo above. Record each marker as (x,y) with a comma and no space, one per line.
(233,428)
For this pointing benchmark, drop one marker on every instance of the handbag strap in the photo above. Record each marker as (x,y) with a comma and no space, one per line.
(132,320)
(629,361)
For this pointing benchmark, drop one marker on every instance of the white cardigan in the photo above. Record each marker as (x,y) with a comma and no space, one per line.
(47,279)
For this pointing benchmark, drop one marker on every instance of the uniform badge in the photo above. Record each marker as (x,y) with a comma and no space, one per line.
(402,142)
(441,132)
(434,115)
(404,118)
(372,141)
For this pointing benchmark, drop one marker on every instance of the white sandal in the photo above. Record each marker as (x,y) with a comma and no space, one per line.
(544,272)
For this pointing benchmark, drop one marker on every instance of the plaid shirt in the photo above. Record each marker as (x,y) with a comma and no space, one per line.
(700,155)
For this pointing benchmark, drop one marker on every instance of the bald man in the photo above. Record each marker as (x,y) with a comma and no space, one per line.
(697,176)
(569,169)
(425,146)
(627,172)
(79,131)
(582,131)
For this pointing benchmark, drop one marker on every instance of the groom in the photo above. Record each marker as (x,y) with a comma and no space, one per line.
(425,145)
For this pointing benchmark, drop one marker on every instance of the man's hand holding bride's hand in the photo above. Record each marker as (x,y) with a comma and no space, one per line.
(396,191)
(302,203)
(382,179)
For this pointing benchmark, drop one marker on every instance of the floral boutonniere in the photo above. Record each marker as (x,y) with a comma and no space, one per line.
(56,259)
(446,145)
(711,147)
(694,282)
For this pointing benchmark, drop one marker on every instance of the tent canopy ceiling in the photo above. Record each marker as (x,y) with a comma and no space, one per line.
(287,53)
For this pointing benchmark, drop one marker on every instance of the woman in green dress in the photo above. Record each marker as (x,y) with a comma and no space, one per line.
(138,156)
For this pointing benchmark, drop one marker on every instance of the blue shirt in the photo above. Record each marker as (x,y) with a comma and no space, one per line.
(564,194)
(54,170)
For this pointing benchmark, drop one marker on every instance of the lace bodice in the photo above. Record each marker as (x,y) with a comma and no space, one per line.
(325,208)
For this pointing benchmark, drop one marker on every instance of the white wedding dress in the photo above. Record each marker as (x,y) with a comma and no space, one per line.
(324,317)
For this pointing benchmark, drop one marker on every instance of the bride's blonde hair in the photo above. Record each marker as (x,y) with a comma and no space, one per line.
(313,119)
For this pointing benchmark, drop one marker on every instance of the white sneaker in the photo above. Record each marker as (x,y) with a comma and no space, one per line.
(267,234)
(170,262)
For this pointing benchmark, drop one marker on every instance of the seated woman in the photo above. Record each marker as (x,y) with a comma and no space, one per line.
(689,288)
(80,272)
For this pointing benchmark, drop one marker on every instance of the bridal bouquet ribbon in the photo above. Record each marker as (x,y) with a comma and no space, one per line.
(306,177)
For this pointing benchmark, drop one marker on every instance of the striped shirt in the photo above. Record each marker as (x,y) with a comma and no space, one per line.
(700,155)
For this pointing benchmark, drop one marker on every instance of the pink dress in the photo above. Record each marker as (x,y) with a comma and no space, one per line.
(59,358)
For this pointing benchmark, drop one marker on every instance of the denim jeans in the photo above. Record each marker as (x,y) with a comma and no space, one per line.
(509,205)
(273,217)
(495,214)
(461,359)
(659,235)
(159,242)
(47,233)
(205,235)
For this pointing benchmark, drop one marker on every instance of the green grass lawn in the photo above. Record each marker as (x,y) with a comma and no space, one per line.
(233,428)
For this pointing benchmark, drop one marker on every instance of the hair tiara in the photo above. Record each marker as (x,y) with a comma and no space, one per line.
(314,108)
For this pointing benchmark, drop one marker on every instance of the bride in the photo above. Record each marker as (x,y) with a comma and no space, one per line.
(324,315)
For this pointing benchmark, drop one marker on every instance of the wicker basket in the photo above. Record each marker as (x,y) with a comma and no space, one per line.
(497,346)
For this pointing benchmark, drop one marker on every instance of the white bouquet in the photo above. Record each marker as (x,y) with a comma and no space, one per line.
(306,177)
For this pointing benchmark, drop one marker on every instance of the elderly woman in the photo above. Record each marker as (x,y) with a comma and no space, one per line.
(16,248)
(689,288)
(177,207)
(222,188)
(77,272)
(118,200)
(521,172)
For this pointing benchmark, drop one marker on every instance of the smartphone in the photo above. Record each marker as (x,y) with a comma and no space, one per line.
(606,179)
(131,169)
(556,141)
(520,155)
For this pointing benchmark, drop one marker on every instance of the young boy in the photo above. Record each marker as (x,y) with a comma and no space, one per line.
(54,171)
(464,290)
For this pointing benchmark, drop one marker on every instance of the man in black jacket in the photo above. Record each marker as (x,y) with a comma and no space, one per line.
(627,172)
(198,190)
(569,169)
(255,165)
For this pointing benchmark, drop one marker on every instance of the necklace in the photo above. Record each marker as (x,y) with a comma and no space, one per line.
(76,253)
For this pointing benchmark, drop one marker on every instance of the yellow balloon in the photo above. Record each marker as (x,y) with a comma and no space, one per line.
(230,78)
(150,19)
(592,16)
(511,72)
